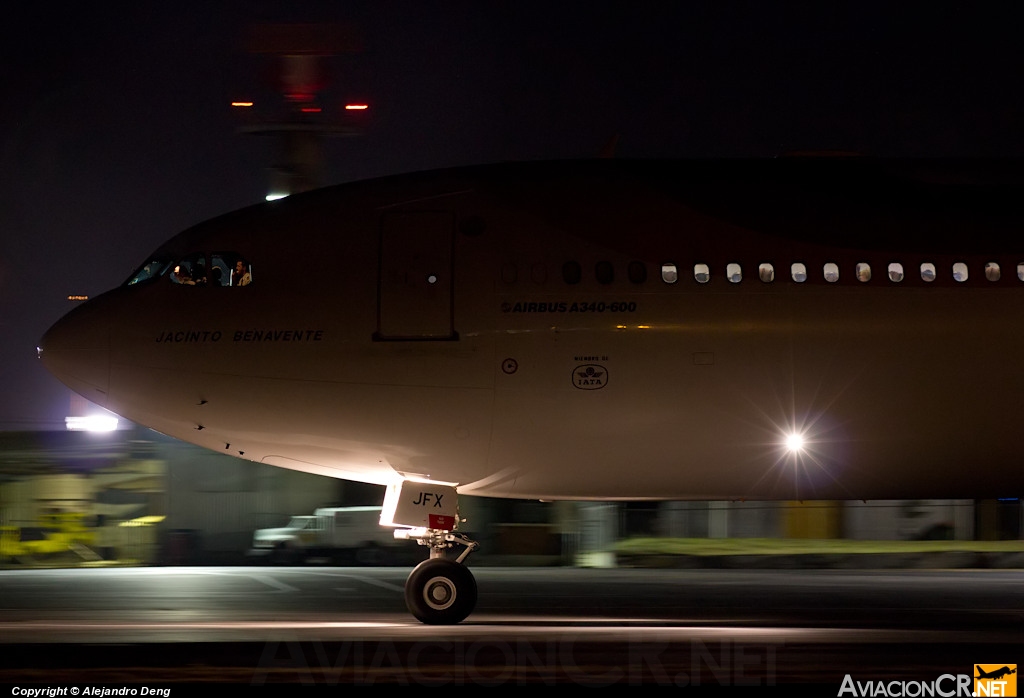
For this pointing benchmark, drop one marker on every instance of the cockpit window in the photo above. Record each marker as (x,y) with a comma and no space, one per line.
(229,269)
(224,269)
(220,270)
(190,271)
(148,271)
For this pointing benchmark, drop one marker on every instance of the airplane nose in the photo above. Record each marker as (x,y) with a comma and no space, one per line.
(76,350)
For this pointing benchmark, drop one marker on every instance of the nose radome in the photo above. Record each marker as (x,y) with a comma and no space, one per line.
(76,350)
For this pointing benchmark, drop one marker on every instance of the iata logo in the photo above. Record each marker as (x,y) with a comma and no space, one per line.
(995,679)
(590,377)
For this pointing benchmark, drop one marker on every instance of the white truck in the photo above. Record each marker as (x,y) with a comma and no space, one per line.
(343,534)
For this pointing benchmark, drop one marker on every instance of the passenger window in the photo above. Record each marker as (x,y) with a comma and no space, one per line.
(831,272)
(539,274)
(669,273)
(992,272)
(702,273)
(766,272)
(637,272)
(734,272)
(928,272)
(572,272)
(799,272)
(863,272)
(605,272)
(960,272)
(150,270)
(190,271)
(895,272)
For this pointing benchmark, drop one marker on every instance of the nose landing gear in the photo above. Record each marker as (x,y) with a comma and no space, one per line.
(440,591)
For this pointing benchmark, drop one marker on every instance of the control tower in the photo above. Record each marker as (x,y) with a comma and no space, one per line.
(299,117)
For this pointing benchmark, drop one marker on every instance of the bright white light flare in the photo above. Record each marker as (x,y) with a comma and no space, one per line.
(94,422)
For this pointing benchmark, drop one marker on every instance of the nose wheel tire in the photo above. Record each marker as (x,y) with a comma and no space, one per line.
(440,592)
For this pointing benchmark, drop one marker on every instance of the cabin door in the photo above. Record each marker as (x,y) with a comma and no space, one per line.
(414,300)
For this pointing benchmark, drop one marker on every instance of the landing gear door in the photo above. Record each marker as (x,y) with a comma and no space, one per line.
(420,505)
(416,285)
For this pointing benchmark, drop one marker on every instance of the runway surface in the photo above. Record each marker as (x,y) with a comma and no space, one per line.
(337,626)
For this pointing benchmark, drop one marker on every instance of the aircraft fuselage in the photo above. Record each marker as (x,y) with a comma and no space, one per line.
(546,331)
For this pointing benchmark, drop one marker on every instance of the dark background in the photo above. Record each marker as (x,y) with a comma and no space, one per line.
(115,129)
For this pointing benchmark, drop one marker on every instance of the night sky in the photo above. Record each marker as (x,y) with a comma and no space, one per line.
(116,130)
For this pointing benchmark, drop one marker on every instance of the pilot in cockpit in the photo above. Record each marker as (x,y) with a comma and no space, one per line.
(181,275)
(241,275)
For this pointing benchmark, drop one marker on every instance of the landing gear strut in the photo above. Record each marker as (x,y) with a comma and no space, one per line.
(440,591)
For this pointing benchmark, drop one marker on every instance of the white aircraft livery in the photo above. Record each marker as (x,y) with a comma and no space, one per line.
(781,329)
